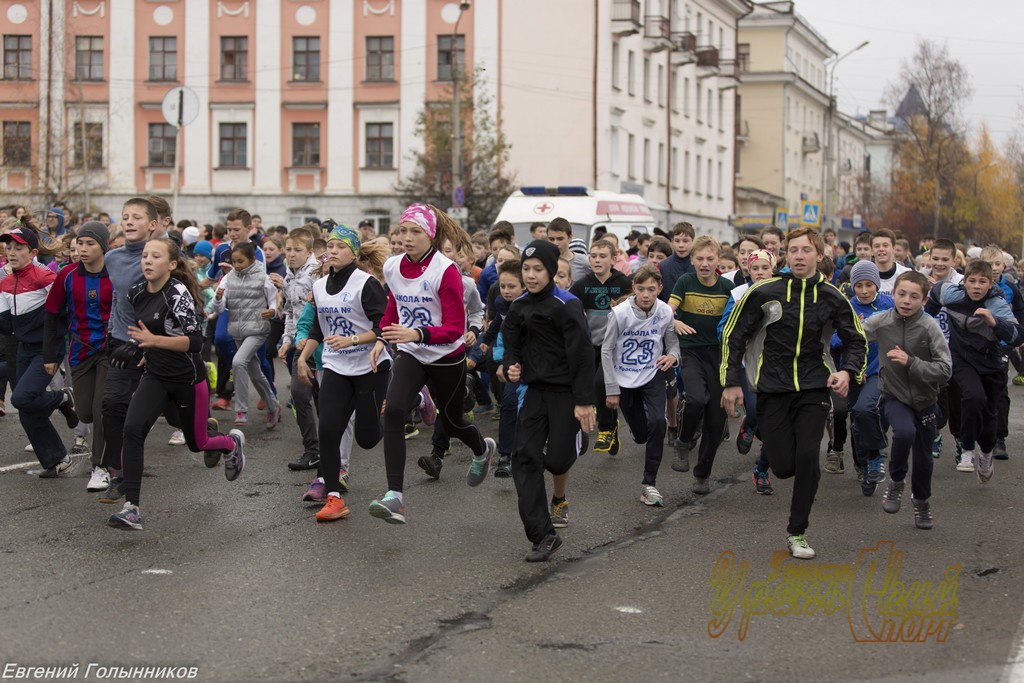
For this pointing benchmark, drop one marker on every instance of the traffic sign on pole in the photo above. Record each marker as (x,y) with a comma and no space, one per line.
(459,213)
(459,197)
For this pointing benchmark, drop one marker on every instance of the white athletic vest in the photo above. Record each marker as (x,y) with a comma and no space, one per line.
(889,284)
(342,314)
(419,304)
(640,343)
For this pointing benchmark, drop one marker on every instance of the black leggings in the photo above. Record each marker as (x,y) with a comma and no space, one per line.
(448,379)
(191,402)
(340,397)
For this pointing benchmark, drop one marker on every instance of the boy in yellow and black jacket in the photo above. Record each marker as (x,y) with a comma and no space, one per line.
(783,326)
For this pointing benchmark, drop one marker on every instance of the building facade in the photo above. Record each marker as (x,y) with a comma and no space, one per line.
(784,109)
(309,107)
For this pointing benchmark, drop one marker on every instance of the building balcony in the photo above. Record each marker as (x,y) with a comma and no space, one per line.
(729,74)
(707,61)
(684,48)
(657,33)
(626,17)
(742,131)
(811,143)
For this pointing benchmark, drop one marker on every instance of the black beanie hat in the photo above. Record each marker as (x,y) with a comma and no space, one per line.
(545,252)
(98,232)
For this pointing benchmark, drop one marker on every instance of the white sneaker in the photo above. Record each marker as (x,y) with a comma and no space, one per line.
(650,496)
(177,438)
(29,448)
(966,463)
(81,446)
(798,547)
(985,467)
(99,481)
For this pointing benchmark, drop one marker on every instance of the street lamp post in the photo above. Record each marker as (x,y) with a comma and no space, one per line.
(456,107)
(827,190)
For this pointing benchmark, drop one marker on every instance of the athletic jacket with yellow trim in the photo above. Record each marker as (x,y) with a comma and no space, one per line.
(781,329)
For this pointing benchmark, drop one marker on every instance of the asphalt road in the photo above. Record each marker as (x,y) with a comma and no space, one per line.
(238,580)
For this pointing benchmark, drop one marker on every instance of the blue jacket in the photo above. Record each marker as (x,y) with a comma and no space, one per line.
(882,302)
(488,277)
(971,340)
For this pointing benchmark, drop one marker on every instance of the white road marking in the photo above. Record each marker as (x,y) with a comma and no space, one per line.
(19,466)
(157,571)
(629,610)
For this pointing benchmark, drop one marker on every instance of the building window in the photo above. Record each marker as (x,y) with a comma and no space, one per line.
(710,120)
(631,73)
(234,58)
(710,189)
(721,111)
(89,58)
(696,176)
(305,59)
(17,143)
(163,58)
(661,86)
(305,144)
(631,156)
(615,160)
(647,79)
(380,58)
(675,168)
(721,179)
(686,172)
(18,58)
(233,140)
(647,160)
(743,56)
(686,97)
(380,145)
(616,84)
(88,145)
(674,88)
(161,146)
(661,163)
(446,51)
(699,108)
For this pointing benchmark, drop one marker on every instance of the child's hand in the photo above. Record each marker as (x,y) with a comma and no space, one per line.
(400,334)
(302,369)
(683,328)
(220,293)
(987,316)
(51,368)
(585,416)
(268,314)
(665,363)
(301,344)
(612,402)
(470,364)
(898,355)
(470,338)
(277,280)
(839,382)
(515,372)
(142,335)
(500,373)
(282,353)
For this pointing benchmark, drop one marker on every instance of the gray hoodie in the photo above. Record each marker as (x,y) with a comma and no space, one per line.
(917,384)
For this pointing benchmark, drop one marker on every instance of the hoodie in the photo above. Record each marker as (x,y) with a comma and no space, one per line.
(297,286)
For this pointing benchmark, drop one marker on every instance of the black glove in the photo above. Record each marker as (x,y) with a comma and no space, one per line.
(127,355)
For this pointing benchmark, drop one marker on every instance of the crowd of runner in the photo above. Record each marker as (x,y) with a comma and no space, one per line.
(113,324)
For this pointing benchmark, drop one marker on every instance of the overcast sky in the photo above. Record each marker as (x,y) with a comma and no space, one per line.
(985,35)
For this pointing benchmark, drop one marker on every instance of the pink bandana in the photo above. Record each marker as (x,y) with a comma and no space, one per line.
(423,216)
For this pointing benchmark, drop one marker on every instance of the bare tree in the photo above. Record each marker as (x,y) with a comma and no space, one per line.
(929,96)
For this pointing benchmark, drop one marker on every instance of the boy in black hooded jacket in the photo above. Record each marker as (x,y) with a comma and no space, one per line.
(547,348)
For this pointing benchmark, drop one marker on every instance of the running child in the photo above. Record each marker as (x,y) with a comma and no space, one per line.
(697,303)
(598,291)
(22,311)
(426,319)
(980,322)
(78,306)
(547,347)
(350,304)
(170,336)
(780,326)
(640,346)
(914,362)
(251,299)
(993,255)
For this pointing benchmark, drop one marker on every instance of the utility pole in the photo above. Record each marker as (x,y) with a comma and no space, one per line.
(457,109)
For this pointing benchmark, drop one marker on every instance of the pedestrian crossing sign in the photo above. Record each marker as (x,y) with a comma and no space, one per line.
(810,214)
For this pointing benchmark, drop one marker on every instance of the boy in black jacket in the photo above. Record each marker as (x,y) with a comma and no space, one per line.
(547,347)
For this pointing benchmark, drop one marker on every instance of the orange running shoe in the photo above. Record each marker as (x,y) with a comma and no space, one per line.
(334,509)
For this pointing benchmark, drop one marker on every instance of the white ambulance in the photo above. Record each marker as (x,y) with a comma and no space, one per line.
(585,209)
